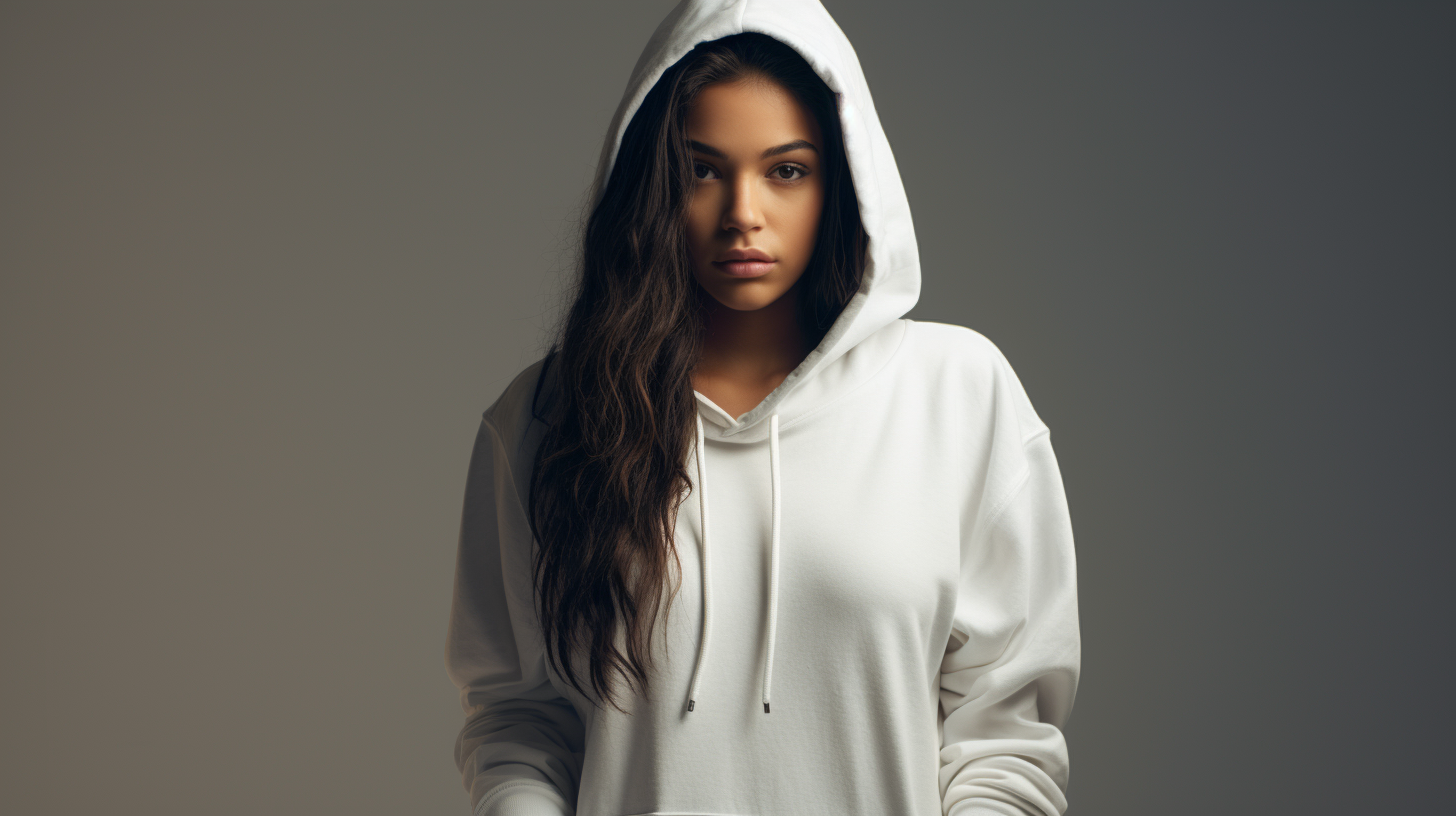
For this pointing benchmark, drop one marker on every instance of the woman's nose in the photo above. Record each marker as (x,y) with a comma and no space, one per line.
(742,210)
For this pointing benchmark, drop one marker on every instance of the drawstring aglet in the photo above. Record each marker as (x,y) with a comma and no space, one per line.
(765,708)
(690,704)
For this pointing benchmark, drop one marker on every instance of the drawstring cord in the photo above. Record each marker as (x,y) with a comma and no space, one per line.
(773,597)
(702,488)
(773,575)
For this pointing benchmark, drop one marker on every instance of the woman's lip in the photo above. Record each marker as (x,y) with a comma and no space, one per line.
(745,269)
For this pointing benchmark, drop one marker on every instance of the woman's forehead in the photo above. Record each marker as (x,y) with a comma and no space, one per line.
(743,119)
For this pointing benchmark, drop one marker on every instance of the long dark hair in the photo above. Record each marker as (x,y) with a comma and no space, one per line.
(619,410)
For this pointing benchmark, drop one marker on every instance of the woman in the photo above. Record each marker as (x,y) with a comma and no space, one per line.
(742,474)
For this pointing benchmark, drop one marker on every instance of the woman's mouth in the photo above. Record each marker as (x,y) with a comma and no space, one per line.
(745,269)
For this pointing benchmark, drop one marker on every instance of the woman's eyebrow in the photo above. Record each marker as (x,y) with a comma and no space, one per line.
(797,144)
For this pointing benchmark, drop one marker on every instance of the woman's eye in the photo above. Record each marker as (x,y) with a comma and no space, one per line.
(790,168)
(784,172)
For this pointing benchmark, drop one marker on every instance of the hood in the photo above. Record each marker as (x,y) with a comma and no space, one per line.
(891,282)
(868,331)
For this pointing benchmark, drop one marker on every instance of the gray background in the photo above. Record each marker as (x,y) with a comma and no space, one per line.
(265,264)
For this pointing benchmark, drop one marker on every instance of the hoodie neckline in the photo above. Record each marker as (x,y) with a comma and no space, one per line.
(807,390)
(714,410)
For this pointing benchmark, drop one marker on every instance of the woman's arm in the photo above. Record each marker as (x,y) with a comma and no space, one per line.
(520,749)
(1011,669)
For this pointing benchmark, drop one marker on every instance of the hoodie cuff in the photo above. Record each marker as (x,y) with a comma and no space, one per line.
(984,807)
(524,797)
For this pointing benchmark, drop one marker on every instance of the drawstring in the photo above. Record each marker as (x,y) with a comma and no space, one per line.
(773,581)
(773,574)
(702,488)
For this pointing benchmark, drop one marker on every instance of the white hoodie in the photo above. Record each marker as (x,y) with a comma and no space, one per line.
(882,547)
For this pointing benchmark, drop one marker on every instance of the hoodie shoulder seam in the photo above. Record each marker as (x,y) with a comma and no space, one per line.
(510,464)
(1019,484)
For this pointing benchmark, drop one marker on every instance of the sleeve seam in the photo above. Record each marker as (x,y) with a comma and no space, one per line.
(1035,435)
(994,517)
(510,474)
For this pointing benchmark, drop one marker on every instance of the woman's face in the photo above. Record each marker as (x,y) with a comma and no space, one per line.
(759,189)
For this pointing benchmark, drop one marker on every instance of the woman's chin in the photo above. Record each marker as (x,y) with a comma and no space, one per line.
(747,297)
(745,294)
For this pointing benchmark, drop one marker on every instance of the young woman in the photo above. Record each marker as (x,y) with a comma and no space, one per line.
(748,541)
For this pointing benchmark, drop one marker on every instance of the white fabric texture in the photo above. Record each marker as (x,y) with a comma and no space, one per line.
(891,562)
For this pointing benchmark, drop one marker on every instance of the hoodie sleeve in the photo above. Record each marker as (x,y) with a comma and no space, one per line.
(521,746)
(1011,668)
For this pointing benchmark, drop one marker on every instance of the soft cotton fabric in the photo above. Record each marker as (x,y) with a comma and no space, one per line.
(878,603)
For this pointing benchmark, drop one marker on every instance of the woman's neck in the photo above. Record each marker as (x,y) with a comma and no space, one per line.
(752,346)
